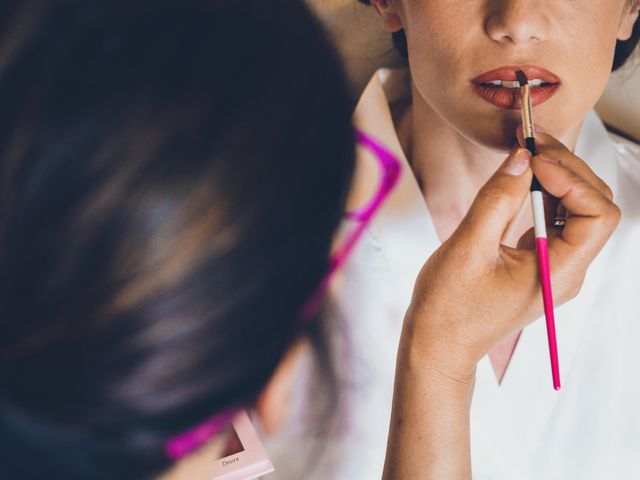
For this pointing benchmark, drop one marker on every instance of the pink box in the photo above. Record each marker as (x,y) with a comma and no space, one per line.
(245,457)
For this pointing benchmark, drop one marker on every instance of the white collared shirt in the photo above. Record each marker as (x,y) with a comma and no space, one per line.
(521,429)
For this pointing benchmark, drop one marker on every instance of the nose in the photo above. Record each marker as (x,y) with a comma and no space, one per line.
(517,21)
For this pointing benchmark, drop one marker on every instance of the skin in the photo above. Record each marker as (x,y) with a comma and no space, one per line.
(197,466)
(575,39)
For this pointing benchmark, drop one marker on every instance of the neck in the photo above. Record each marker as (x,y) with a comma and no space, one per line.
(450,168)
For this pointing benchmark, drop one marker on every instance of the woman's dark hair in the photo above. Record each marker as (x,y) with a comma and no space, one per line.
(171,173)
(624,49)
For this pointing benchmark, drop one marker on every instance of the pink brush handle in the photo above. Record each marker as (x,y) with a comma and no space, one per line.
(547,297)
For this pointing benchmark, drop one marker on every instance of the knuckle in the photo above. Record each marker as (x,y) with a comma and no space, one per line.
(611,216)
(606,190)
(616,213)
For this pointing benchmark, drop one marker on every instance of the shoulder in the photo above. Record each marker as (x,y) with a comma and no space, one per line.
(628,173)
(628,156)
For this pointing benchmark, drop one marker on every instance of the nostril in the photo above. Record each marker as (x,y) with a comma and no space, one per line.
(516,27)
(517,38)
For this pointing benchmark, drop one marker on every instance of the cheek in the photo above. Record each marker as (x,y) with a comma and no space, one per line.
(592,38)
(436,47)
(438,54)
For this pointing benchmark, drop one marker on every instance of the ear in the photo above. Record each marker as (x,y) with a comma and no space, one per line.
(389,14)
(274,402)
(629,19)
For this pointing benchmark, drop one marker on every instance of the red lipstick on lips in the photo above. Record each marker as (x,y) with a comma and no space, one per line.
(490,87)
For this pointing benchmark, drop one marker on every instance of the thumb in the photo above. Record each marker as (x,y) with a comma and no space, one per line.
(500,199)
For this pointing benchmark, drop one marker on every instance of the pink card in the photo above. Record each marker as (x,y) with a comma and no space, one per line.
(245,457)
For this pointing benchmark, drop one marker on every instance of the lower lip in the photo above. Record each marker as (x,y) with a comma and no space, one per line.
(509,98)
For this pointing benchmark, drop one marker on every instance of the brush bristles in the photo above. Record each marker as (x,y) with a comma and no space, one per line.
(522,78)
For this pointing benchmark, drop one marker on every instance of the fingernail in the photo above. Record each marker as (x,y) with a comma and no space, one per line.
(537,128)
(518,162)
(548,159)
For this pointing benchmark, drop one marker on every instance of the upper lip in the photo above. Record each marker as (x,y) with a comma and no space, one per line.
(509,74)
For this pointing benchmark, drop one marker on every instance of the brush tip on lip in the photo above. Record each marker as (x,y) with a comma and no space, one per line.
(522,78)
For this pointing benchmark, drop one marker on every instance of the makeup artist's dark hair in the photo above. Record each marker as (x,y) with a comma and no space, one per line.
(168,194)
(624,49)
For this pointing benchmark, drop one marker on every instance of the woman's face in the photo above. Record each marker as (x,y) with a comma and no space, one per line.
(458,47)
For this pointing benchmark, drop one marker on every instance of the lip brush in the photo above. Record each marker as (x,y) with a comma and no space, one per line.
(540,228)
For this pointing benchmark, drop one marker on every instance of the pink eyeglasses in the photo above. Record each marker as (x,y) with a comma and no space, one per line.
(185,443)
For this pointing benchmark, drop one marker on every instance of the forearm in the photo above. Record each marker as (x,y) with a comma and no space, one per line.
(429,430)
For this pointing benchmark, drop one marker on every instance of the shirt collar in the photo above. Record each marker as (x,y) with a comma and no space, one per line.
(598,150)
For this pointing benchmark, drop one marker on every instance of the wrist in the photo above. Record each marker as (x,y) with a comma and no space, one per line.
(443,357)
